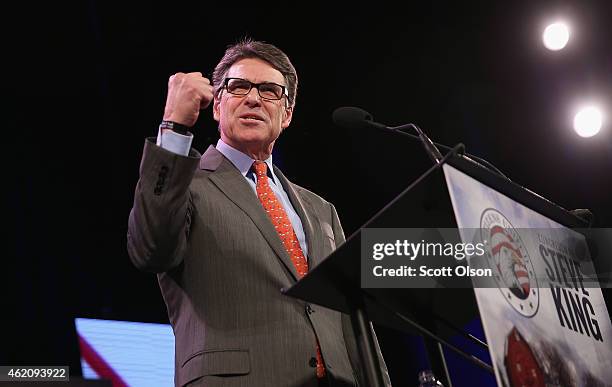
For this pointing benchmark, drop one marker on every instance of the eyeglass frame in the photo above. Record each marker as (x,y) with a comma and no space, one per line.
(256,85)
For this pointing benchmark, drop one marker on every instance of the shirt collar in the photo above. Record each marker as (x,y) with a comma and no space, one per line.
(240,160)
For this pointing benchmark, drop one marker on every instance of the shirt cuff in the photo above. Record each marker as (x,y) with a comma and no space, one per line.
(174,142)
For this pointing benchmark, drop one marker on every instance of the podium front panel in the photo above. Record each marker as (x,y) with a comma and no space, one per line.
(541,323)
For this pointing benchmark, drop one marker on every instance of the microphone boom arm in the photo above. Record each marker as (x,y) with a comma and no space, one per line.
(468,156)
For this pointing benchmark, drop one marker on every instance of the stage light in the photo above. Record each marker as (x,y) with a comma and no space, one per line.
(587,122)
(556,36)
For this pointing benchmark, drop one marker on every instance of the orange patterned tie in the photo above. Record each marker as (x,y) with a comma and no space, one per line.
(285,231)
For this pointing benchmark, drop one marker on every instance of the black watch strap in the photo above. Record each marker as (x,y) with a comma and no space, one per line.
(175,127)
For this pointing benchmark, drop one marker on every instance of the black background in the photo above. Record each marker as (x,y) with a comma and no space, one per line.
(85,83)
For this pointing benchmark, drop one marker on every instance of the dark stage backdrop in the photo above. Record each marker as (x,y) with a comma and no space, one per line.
(85,84)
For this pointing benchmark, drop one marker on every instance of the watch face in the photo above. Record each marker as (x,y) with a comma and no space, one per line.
(166,124)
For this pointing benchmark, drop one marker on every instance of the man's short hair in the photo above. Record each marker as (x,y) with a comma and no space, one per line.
(248,48)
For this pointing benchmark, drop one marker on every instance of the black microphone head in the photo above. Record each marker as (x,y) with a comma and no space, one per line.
(352,117)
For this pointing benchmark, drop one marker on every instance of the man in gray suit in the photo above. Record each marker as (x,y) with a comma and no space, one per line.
(224,238)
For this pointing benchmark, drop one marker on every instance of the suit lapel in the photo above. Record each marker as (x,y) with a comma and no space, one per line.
(310,222)
(231,182)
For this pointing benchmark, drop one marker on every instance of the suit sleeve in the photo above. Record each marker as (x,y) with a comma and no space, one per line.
(159,223)
(347,328)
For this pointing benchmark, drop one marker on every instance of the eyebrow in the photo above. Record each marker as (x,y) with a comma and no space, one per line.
(245,79)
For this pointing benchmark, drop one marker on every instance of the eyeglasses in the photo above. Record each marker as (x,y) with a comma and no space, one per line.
(267,90)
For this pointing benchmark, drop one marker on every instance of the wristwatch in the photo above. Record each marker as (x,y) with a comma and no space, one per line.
(175,127)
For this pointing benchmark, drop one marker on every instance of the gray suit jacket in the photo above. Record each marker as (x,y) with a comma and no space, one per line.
(220,263)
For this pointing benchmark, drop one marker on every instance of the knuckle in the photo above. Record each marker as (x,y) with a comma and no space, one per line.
(175,78)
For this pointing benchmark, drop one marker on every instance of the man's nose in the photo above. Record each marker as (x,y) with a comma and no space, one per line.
(253,96)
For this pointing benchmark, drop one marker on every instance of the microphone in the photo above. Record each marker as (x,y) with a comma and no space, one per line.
(354,117)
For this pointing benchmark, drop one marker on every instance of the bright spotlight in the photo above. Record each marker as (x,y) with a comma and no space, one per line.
(555,36)
(587,122)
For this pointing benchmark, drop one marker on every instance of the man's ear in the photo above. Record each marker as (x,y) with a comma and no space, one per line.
(287,115)
(216,111)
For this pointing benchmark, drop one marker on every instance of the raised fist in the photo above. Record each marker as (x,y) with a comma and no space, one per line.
(187,95)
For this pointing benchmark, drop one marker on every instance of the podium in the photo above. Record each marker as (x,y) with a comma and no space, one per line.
(433,312)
